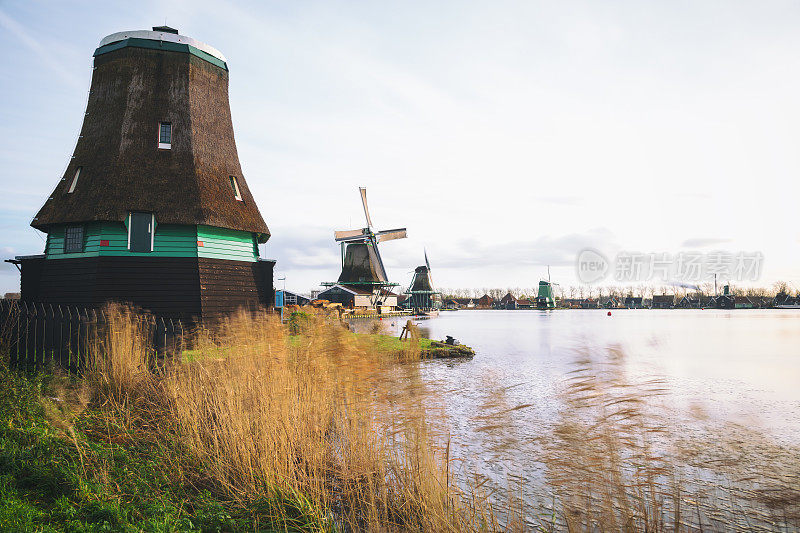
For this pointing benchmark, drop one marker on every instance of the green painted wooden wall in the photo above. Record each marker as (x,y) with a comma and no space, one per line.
(221,243)
(171,240)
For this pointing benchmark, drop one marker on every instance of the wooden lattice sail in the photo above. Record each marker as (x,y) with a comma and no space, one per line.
(153,208)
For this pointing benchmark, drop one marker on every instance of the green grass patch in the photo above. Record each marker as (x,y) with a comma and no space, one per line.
(390,343)
(71,474)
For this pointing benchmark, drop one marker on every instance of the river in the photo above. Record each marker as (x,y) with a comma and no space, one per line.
(715,395)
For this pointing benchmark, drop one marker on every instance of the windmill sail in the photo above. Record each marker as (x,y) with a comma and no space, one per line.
(347,235)
(390,235)
(428,264)
(363,191)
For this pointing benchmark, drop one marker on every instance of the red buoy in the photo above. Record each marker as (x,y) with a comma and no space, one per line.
(609,313)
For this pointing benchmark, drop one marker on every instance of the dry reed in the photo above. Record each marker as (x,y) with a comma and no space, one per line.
(602,461)
(300,423)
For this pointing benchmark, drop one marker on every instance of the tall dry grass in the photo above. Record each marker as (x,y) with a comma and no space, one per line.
(303,425)
(122,359)
(603,460)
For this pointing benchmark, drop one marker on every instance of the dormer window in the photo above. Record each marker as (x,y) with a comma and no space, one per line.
(74,180)
(235,187)
(165,135)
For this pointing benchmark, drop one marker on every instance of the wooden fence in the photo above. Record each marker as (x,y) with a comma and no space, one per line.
(36,336)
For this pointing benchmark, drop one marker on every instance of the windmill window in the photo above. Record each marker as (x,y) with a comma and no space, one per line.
(235,187)
(165,135)
(73,239)
(74,180)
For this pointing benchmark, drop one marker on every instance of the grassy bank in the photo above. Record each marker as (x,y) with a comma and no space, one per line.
(263,427)
(66,468)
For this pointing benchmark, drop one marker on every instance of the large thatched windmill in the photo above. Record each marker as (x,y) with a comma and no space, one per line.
(363,273)
(153,208)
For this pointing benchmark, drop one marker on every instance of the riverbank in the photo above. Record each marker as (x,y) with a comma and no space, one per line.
(253,429)
(562,423)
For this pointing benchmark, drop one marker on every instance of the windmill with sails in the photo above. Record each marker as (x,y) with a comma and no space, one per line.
(422,296)
(363,276)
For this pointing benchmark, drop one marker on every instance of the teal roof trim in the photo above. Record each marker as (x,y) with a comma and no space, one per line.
(161,45)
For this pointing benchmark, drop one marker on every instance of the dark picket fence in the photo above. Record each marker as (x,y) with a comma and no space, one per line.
(36,335)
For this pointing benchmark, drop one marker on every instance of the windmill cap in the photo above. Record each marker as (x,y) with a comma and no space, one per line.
(165,29)
(160,34)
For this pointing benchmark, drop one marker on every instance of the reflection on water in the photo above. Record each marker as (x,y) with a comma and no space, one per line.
(696,413)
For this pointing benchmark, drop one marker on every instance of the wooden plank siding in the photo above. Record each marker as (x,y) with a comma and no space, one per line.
(170,240)
(176,287)
(221,243)
(163,286)
(226,285)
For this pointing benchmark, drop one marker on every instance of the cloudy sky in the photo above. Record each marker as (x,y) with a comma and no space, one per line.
(506,136)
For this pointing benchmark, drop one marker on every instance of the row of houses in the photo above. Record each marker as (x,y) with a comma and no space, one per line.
(658,301)
(484,302)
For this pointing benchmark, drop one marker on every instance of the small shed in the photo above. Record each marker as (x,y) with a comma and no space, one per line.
(358,297)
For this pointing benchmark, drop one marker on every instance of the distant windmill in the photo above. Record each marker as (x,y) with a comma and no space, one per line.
(545,299)
(361,260)
(422,295)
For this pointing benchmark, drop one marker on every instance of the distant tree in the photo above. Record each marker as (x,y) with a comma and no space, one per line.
(707,287)
(572,291)
(781,289)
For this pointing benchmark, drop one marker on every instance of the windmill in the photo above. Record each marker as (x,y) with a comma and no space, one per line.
(422,295)
(545,298)
(362,267)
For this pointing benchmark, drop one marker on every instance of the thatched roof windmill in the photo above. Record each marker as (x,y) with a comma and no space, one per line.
(363,281)
(153,208)
(361,260)
(422,295)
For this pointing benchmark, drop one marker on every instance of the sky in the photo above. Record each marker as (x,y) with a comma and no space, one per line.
(506,136)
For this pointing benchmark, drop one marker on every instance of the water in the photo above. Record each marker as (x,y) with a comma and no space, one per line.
(744,365)
(731,383)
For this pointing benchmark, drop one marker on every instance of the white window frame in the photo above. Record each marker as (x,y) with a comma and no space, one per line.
(164,146)
(236,190)
(74,180)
